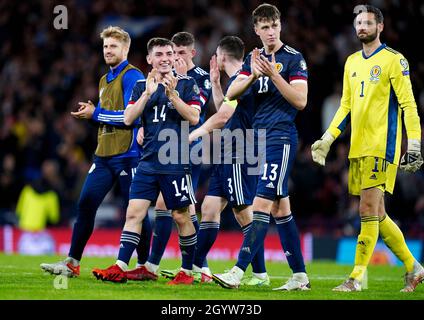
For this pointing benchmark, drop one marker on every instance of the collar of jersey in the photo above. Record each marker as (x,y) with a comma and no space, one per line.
(381,47)
(269,55)
(113,73)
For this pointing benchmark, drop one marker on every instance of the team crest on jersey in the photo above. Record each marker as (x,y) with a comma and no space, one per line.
(375,73)
(207,84)
(279,67)
(303,65)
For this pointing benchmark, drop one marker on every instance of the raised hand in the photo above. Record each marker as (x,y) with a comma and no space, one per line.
(266,67)
(180,66)
(253,65)
(169,81)
(152,82)
(214,74)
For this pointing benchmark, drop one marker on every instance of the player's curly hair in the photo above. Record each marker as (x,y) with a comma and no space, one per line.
(116,33)
(265,12)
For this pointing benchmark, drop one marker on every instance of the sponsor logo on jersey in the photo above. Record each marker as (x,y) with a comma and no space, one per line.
(375,73)
(303,65)
(354,75)
(183,198)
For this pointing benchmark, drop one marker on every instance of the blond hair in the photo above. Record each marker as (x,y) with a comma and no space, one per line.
(117,33)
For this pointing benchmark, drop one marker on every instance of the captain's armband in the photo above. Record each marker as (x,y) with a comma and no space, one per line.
(232,103)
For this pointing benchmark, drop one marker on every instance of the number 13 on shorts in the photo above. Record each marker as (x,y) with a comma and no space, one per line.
(270,172)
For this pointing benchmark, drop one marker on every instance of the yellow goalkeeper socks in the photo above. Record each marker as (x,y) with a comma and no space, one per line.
(394,240)
(365,246)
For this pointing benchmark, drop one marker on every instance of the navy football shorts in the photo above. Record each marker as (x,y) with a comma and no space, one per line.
(177,189)
(274,174)
(232,182)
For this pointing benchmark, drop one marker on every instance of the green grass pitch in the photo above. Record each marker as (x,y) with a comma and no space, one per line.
(22,279)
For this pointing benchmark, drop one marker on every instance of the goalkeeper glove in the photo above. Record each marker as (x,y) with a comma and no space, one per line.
(321,147)
(412,160)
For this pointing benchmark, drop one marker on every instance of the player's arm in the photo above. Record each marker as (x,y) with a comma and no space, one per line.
(142,92)
(190,111)
(216,121)
(217,95)
(399,77)
(321,147)
(295,92)
(240,85)
(116,118)
(247,76)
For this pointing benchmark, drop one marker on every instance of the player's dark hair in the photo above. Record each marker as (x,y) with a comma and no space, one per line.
(232,46)
(183,39)
(157,42)
(371,9)
(266,12)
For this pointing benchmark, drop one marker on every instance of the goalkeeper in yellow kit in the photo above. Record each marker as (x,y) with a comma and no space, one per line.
(377,91)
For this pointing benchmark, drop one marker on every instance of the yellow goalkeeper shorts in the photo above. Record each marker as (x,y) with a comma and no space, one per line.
(371,172)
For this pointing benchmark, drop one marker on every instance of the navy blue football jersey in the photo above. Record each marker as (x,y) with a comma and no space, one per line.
(160,114)
(240,120)
(273,112)
(203,81)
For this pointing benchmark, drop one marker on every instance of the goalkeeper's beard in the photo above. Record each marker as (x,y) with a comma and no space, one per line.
(368,38)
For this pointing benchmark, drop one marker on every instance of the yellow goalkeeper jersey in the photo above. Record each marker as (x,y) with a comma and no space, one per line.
(376,90)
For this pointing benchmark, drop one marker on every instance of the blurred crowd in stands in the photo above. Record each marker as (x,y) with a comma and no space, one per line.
(45,72)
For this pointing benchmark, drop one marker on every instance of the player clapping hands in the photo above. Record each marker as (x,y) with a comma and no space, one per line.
(85,110)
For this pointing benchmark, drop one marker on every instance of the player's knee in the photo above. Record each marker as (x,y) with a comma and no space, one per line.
(209,216)
(367,207)
(243,218)
(134,215)
(381,208)
(181,216)
(209,213)
(281,213)
(160,204)
(262,204)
